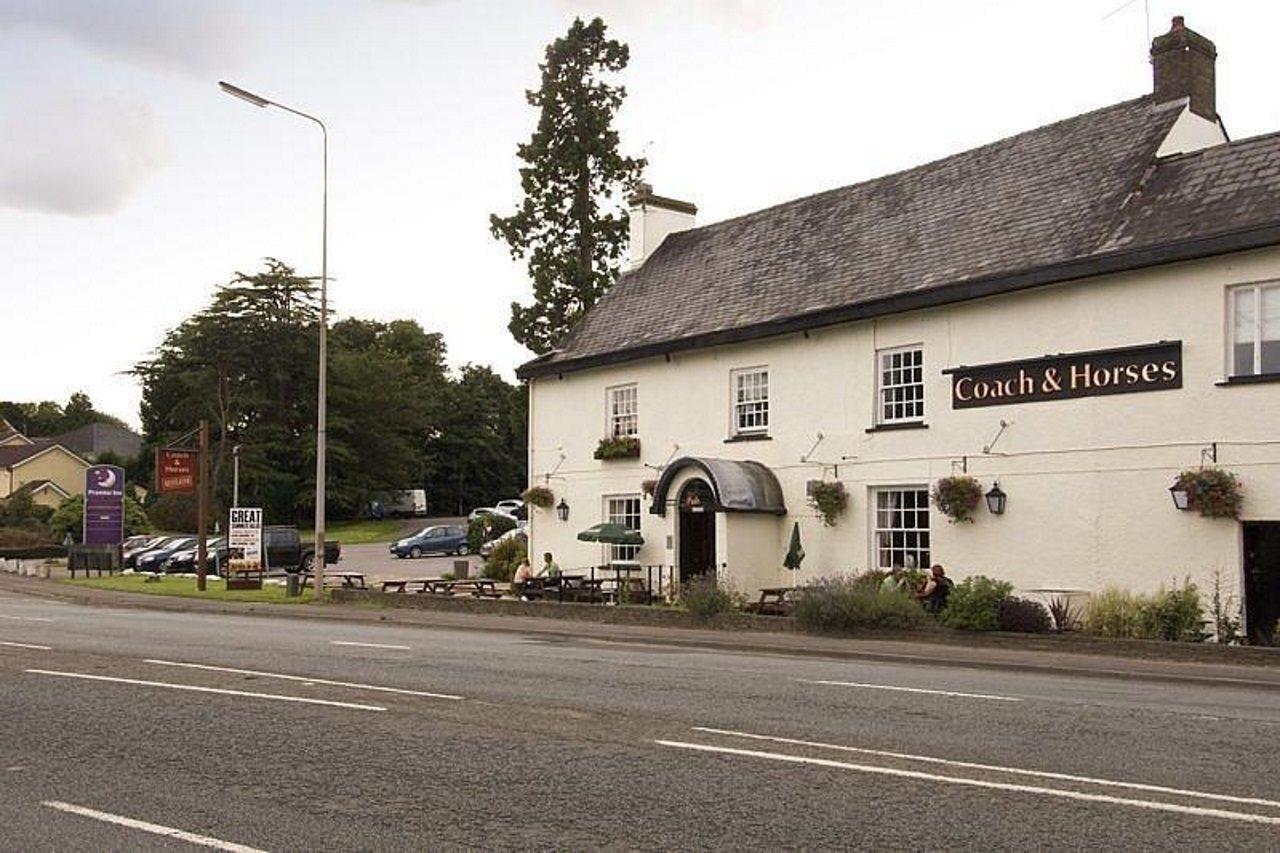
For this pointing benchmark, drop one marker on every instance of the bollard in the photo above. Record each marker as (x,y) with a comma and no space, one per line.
(293,584)
(461,569)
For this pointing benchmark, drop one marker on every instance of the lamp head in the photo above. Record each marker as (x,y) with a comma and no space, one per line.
(242,94)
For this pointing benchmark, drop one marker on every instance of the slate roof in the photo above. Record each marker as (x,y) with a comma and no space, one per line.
(1059,202)
(15,454)
(98,438)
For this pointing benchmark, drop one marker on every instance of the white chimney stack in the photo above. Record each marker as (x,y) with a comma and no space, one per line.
(652,219)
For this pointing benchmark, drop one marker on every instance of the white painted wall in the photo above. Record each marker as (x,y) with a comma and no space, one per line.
(1087,478)
(649,225)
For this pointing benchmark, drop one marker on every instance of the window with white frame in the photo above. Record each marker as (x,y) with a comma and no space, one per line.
(624,411)
(751,401)
(902,528)
(1255,329)
(623,510)
(900,384)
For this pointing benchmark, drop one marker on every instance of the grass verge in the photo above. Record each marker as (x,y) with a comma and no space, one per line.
(183,587)
(358,532)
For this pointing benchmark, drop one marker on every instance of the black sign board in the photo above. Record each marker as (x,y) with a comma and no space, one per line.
(1127,370)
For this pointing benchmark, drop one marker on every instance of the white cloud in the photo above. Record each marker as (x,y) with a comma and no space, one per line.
(73,153)
(193,36)
(743,14)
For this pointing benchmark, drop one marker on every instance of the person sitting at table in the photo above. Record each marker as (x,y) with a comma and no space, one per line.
(895,581)
(933,595)
(524,574)
(550,569)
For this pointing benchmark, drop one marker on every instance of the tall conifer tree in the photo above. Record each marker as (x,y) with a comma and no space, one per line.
(571,227)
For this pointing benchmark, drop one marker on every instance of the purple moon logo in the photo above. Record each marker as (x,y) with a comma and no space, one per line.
(106,478)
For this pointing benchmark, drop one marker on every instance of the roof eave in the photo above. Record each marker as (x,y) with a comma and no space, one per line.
(1122,260)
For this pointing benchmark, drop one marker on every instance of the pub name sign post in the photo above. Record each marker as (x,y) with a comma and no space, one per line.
(176,471)
(1127,370)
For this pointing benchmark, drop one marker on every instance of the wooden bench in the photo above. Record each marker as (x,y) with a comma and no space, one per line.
(349,580)
(422,584)
(775,601)
(479,587)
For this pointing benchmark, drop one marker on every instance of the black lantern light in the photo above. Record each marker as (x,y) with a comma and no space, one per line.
(1181,498)
(562,510)
(996,500)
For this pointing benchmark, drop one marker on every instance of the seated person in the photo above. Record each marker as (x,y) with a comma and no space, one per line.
(550,569)
(933,595)
(524,574)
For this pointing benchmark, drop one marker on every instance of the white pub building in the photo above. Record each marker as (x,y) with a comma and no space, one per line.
(1075,314)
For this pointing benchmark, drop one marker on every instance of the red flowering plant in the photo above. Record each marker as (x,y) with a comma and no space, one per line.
(1212,492)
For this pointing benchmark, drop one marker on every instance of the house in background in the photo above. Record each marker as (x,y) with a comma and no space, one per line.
(1075,314)
(49,472)
(10,437)
(92,440)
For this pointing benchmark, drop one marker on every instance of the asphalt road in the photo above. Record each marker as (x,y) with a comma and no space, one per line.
(320,735)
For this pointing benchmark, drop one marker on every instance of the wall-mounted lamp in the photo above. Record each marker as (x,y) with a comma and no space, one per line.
(1181,497)
(996,500)
(562,510)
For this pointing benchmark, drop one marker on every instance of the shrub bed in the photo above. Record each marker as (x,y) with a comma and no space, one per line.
(1023,615)
(845,604)
(974,604)
(1173,614)
(506,558)
(706,596)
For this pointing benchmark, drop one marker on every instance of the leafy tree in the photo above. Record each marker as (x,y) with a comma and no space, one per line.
(47,418)
(569,226)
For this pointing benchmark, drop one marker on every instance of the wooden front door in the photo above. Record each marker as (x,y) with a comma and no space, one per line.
(697,530)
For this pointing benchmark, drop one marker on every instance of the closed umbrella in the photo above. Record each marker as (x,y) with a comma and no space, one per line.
(795,553)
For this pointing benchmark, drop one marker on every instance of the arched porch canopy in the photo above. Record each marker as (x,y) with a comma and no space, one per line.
(737,486)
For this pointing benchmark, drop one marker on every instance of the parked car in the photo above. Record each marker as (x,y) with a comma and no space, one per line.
(441,539)
(489,510)
(521,532)
(153,560)
(284,549)
(129,556)
(185,560)
(510,506)
(403,504)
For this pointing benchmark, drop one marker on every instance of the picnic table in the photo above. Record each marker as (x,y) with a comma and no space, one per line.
(423,584)
(479,587)
(349,580)
(775,601)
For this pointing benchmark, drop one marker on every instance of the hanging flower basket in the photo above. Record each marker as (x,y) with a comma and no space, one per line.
(957,497)
(539,496)
(618,448)
(1212,492)
(829,499)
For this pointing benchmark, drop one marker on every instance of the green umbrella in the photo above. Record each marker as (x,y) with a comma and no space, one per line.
(611,534)
(795,553)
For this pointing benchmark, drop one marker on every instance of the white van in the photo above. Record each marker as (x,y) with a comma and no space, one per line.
(402,504)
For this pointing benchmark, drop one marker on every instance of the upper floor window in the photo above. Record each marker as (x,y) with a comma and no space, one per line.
(751,401)
(623,510)
(1255,329)
(900,383)
(624,411)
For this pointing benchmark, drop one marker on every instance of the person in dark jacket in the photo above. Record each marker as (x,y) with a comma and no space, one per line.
(933,595)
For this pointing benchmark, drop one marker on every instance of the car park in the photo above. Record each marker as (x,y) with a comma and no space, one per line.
(153,560)
(520,532)
(185,560)
(440,539)
(129,556)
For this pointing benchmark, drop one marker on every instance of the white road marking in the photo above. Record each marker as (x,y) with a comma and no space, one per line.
(25,646)
(153,828)
(249,695)
(26,618)
(306,679)
(1041,774)
(1248,817)
(370,645)
(953,693)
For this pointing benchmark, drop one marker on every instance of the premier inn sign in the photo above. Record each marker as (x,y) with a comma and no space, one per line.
(1128,370)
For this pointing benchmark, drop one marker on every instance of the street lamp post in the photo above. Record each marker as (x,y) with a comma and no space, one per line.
(322,392)
(235,476)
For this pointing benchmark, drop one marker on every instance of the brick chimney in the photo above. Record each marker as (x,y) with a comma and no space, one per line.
(652,218)
(1182,64)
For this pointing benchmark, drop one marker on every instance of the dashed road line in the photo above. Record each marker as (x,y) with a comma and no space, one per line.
(153,828)
(195,689)
(1153,805)
(995,768)
(306,679)
(370,645)
(953,693)
(14,645)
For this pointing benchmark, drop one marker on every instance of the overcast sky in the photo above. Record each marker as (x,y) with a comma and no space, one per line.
(130,186)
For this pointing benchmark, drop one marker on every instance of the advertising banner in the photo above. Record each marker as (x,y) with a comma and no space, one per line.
(244,542)
(176,471)
(104,505)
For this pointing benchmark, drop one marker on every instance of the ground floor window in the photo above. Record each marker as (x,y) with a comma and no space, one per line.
(902,528)
(624,510)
